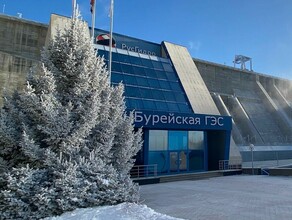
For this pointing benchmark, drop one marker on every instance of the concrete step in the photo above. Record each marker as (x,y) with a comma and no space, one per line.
(190,176)
(186,176)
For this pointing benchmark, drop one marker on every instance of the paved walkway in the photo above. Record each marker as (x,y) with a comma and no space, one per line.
(239,197)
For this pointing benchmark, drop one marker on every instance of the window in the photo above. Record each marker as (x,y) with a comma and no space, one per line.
(146,93)
(103,53)
(157,140)
(158,94)
(175,86)
(172,107)
(32,40)
(116,77)
(142,82)
(132,91)
(167,67)
(157,65)
(116,67)
(124,58)
(178,140)
(23,42)
(164,84)
(127,68)
(179,97)
(147,63)
(161,74)
(153,83)
(17,64)
(149,105)
(136,60)
(184,108)
(134,103)
(169,96)
(140,71)
(150,73)
(171,76)
(161,106)
(130,80)
(160,158)
(18,38)
(196,140)
(115,57)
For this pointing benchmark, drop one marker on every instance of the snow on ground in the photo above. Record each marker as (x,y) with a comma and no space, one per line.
(239,197)
(124,211)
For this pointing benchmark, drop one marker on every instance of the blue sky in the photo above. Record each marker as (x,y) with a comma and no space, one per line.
(212,30)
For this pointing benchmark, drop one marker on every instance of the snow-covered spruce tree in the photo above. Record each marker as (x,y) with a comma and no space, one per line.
(66,140)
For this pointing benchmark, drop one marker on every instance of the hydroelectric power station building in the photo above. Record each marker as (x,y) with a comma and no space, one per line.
(194,113)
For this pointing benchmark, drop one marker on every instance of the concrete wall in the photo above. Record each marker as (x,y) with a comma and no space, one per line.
(20,45)
(192,82)
(224,79)
(57,22)
(264,102)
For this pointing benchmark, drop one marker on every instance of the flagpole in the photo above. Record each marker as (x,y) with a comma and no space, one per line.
(111,38)
(73,8)
(93,20)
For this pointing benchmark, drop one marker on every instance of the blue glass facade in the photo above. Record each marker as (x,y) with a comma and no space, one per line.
(175,139)
(150,82)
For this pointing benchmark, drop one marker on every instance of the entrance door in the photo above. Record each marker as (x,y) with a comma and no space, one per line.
(182,161)
(178,161)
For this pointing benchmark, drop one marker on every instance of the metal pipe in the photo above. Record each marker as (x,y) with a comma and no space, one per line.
(93,21)
(251,146)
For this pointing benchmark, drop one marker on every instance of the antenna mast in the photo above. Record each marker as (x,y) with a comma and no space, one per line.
(240,59)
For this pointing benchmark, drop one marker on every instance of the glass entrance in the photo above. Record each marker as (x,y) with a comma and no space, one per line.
(176,151)
(177,161)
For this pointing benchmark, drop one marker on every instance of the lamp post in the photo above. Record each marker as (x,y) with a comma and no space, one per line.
(251,147)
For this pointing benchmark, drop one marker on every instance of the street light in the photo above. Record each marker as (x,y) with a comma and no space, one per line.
(251,147)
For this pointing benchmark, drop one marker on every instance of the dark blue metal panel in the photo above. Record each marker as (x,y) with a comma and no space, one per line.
(206,151)
(146,146)
(227,144)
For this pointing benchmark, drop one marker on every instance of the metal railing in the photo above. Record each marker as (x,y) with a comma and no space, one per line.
(265,171)
(229,164)
(140,171)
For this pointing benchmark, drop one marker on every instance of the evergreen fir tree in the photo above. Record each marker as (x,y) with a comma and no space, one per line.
(66,140)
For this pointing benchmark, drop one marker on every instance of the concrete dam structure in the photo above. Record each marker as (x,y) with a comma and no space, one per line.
(260,105)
